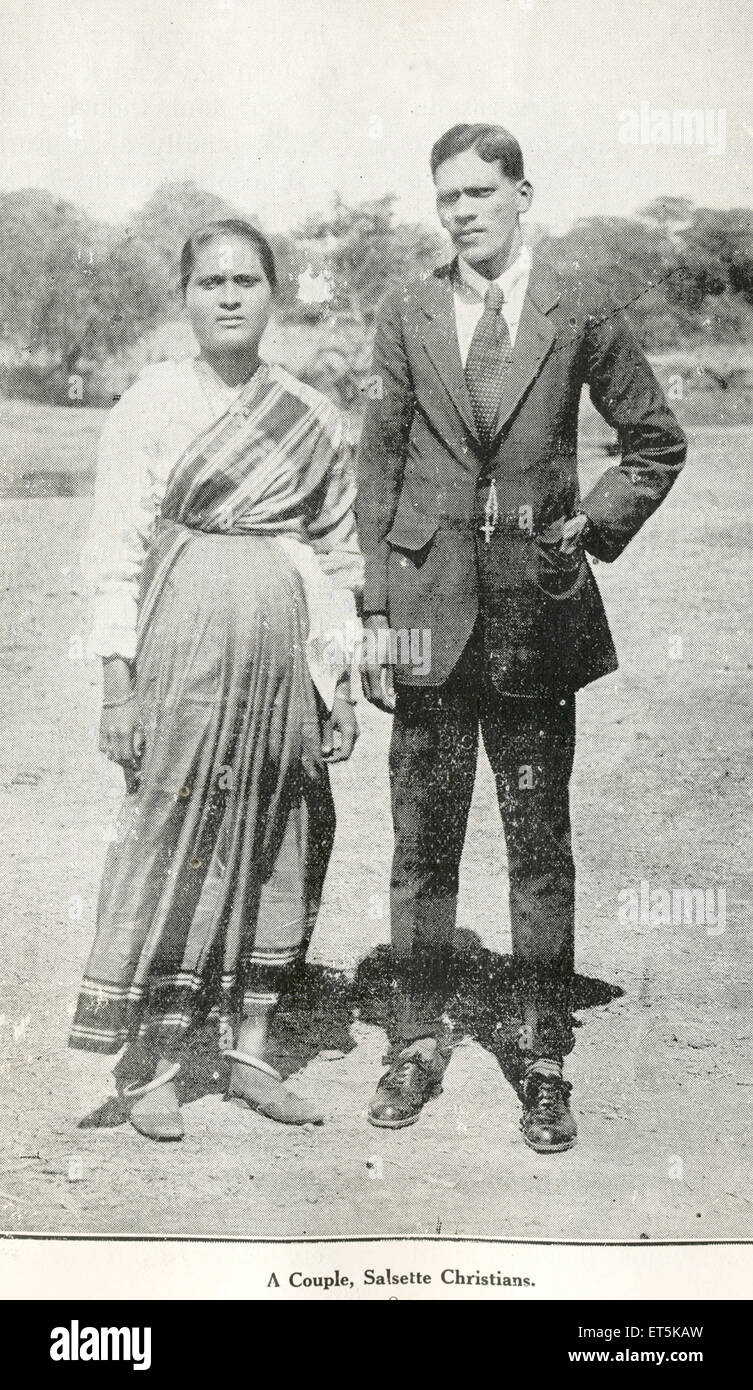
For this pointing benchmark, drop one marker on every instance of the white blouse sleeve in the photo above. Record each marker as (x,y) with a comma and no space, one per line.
(331,525)
(126,500)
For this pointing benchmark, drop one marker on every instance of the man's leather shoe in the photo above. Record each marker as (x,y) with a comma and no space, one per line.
(547,1122)
(413,1079)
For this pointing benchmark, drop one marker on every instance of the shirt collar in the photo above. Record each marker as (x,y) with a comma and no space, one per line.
(506,281)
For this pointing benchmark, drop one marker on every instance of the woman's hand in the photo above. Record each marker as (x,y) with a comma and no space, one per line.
(121,739)
(340,731)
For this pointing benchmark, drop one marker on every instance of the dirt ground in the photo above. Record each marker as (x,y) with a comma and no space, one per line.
(662,1065)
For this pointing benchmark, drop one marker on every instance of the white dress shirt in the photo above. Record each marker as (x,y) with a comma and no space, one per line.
(470,289)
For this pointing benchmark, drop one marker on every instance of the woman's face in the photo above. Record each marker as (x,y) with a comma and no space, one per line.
(228,297)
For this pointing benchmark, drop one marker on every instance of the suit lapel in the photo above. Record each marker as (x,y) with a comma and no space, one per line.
(533,341)
(440,340)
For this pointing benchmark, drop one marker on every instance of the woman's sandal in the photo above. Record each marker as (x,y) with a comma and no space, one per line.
(261,1089)
(160,1119)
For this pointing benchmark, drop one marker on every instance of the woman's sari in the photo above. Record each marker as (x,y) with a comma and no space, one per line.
(212,886)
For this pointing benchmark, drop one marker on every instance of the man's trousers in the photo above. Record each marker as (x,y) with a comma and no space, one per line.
(530,744)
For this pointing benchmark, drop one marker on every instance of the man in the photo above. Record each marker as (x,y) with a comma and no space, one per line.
(474,540)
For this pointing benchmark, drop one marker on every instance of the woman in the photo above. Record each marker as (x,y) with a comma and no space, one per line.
(222,553)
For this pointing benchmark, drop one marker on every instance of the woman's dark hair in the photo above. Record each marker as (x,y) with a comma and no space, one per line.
(227,226)
(491,142)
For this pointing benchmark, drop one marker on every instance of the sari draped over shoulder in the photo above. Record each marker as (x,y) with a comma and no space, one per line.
(257,470)
(212,885)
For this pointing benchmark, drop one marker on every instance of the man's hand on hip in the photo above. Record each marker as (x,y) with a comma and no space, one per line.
(572,531)
(566,532)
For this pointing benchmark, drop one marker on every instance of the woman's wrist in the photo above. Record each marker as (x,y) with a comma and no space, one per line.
(117,680)
(122,700)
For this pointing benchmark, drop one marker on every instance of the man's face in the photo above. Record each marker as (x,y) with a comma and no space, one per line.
(479,208)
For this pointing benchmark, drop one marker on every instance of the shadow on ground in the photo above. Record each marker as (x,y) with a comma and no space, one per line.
(316,1012)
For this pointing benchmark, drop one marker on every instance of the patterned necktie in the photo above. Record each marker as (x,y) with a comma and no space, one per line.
(488,362)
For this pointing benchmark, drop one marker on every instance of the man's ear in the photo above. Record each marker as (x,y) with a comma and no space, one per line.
(525,195)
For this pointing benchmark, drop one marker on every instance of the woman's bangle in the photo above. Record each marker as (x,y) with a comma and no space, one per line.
(115,704)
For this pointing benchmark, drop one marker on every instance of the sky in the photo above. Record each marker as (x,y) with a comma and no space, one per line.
(276,104)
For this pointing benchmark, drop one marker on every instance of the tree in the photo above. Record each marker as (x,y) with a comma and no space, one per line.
(669,213)
(168,218)
(629,256)
(717,251)
(365,251)
(636,261)
(43,238)
(72,292)
(174,211)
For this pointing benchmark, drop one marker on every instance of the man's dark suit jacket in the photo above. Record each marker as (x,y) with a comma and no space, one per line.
(424,482)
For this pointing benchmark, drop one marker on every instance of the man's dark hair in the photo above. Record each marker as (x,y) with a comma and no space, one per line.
(226,226)
(490,142)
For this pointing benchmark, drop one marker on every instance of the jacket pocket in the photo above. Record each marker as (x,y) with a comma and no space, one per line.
(411,530)
(559,576)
